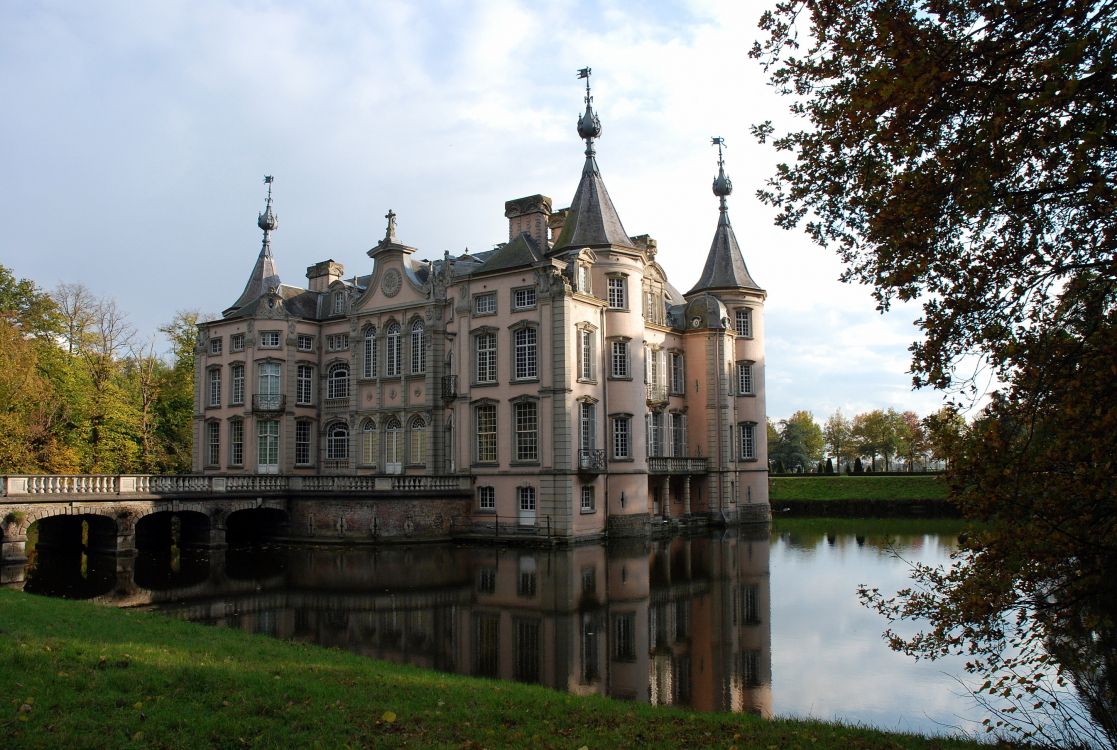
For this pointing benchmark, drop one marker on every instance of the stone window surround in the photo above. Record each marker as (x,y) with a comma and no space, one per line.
(514,329)
(473,337)
(487,297)
(475,447)
(515,461)
(626,340)
(517,305)
(212,443)
(232,443)
(613,419)
(622,290)
(584,328)
(309,427)
(582,506)
(486,499)
(749,325)
(236,342)
(751,392)
(213,386)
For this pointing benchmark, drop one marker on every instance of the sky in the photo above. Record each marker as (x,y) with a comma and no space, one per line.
(136,136)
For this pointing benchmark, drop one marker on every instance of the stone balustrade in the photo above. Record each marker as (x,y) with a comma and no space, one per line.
(64,488)
(676,465)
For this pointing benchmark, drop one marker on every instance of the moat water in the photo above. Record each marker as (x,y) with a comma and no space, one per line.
(733,621)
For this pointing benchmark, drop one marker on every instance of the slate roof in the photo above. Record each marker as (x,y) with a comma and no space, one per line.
(264,277)
(592,220)
(522,251)
(725,265)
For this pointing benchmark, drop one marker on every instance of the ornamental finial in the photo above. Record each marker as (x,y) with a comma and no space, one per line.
(722,186)
(589,125)
(268,221)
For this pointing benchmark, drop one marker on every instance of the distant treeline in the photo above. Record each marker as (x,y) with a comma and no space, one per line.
(872,442)
(82,392)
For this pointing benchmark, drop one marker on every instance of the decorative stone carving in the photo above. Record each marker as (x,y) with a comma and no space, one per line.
(391,282)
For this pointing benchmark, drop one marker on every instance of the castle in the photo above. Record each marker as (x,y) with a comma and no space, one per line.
(560,378)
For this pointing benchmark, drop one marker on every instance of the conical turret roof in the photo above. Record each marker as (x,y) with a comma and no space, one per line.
(725,265)
(264,277)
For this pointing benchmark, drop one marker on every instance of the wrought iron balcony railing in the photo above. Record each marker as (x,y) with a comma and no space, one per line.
(268,402)
(449,387)
(657,393)
(591,460)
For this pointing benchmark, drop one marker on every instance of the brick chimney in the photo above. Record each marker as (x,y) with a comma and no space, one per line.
(529,215)
(321,275)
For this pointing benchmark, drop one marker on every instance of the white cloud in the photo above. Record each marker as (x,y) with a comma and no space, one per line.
(141,132)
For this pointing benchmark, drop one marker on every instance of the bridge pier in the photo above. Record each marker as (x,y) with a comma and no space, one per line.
(13,548)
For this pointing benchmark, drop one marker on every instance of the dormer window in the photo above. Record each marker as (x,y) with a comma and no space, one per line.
(582,279)
(339,303)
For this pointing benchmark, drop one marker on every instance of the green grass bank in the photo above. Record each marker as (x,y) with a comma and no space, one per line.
(869,496)
(75,674)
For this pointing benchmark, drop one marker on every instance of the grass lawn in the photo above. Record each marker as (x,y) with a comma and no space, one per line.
(860,487)
(79,675)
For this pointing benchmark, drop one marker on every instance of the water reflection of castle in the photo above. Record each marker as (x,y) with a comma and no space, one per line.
(679,621)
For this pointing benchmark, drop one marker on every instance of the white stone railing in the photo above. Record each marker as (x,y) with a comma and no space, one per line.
(676,465)
(62,487)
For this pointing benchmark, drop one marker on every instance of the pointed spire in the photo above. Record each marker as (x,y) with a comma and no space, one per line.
(592,220)
(264,277)
(725,265)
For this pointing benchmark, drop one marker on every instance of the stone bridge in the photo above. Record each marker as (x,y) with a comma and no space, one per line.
(112,513)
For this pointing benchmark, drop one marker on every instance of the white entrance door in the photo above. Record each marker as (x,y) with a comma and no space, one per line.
(526,500)
(393,447)
(267,452)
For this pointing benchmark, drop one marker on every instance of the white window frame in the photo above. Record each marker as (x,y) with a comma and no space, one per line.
(303,442)
(236,384)
(622,437)
(484,431)
(369,442)
(525,430)
(215,345)
(214,380)
(746,432)
(742,320)
(484,346)
(418,435)
(392,359)
(524,298)
(236,442)
(745,383)
(619,365)
(418,347)
(236,342)
(526,498)
(618,293)
(484,303)
(337,385)
(337,441)
(486,498)
(213,443)
(587,426)
(586,338)
(269,339)
(370,352)
(525,350)
(304,385)
(588,503)
(304,342)
(678,373)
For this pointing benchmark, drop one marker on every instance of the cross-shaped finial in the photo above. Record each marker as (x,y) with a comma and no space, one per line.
(390,234)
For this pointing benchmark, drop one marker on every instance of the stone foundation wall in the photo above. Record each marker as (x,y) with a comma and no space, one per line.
(635,524)
(359,520)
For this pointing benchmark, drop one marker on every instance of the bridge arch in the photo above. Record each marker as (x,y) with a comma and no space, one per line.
(162,528)
(251,523)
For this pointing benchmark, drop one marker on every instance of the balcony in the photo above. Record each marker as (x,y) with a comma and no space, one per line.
(657,393)
(449,387)
(268,402)
(676,465)
(591,460)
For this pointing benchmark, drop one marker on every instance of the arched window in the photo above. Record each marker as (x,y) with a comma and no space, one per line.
(337,382)
(417,432)
(393,444)
(370,352)
(418,347)
(369,443)
(392,356)
(337,442)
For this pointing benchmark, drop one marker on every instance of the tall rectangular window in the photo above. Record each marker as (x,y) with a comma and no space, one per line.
(526,353)
(484,423)
(585,354)
(526,418)
(743,320)
(588,426)
(618,359)
(418,347)
(678,374)
(215,387)
(213,443)
(369,369)
(622,437)
(236,442)
(392,356)
(485,359)
(587,505)
(304,385)
(302,443)
(236,384)
(746,431)
(486,498)
(624,637)
(744,378)
(617,296)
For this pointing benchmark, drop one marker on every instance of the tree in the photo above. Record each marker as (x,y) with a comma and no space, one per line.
(798,443)
(913,440)
(836,436)
(174,405)
(961,152)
